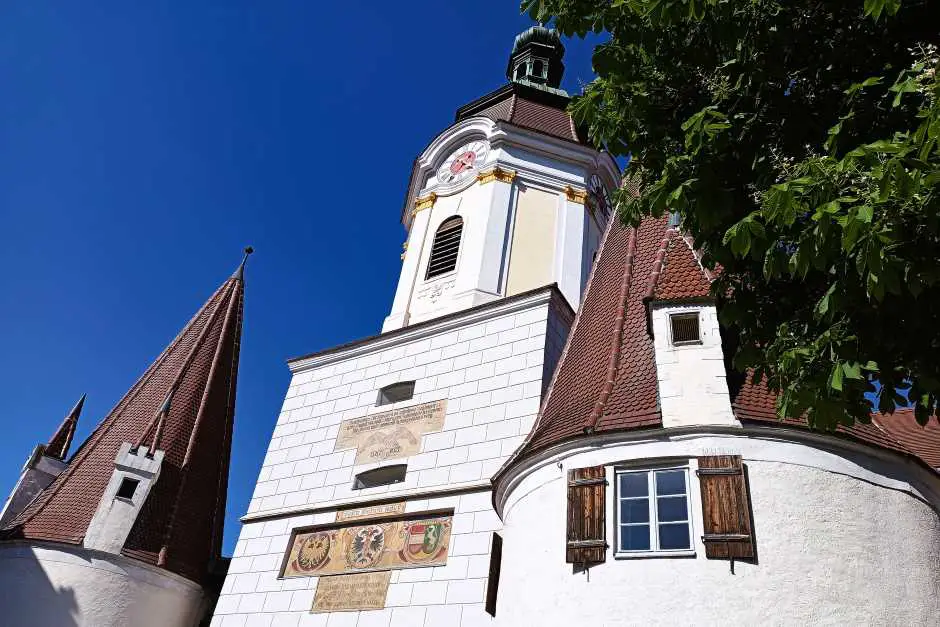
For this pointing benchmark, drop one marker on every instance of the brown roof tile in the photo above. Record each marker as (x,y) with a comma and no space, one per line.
(526,107)
(180,525)
(606,378)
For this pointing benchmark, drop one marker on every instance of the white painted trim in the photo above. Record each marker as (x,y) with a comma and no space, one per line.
(411,494)
(427,329)
(925,485)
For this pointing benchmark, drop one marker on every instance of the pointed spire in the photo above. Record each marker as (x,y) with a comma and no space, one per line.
(239,273)
(58,446)
(185,405)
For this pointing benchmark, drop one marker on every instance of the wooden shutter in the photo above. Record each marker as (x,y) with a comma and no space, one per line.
(492,582)
(587,532)
(726,507)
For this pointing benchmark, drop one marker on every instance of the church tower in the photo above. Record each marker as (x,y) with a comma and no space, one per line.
(374,502)
(128,531)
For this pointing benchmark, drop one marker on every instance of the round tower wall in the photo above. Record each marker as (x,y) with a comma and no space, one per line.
(62,585)
(842,537)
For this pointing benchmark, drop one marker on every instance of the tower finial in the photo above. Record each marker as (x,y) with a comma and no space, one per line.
(240,272)
(58,445)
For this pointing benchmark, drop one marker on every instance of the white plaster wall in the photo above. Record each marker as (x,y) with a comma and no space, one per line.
(70,586)
(38,472)
(693,389)
(490,366)
(843,538)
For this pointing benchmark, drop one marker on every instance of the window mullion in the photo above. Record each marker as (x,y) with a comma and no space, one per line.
(654,518)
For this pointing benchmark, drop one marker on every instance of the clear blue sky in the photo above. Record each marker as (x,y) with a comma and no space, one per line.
(143,144)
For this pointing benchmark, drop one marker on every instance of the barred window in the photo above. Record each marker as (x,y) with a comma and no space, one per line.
(685,328)
(445,247)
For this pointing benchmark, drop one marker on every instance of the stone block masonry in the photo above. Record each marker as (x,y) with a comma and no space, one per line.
(490,365)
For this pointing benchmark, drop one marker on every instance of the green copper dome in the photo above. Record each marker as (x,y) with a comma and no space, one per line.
(536,58)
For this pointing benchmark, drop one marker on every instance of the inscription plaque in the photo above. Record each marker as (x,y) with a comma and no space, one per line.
(362,591)
(390,434)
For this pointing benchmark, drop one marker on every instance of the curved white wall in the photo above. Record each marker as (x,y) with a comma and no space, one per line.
(843,538)
(65,586)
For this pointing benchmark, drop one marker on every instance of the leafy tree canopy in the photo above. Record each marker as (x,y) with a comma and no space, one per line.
(798,141)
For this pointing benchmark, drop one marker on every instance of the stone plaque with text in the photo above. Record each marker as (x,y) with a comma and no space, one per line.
(390,434)
(371,511)
(362,591)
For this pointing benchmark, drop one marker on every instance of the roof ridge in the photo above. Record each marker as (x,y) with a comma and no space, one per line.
(61,440)
(613,363)
(536,427)
(200,414)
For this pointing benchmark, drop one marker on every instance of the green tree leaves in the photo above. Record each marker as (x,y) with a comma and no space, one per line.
(799,142)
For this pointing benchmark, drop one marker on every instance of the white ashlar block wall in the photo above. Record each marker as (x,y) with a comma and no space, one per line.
(693,389)
(491,364)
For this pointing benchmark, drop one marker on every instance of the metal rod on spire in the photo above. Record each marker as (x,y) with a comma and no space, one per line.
(240,272)
(161,419)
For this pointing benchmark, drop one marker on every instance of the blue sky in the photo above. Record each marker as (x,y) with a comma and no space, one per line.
(143,144)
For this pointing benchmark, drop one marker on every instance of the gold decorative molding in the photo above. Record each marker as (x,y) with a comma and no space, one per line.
(425,202)
(404,250)
(576,195)
(496,174)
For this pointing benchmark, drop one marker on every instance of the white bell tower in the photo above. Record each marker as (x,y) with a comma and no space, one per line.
(404,430)
(522,198)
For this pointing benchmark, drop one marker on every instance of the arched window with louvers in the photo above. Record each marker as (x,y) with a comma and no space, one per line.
(445,248)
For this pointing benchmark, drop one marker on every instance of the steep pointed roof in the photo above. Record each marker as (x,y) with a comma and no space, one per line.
(180,524)
(606,378)
(58,446)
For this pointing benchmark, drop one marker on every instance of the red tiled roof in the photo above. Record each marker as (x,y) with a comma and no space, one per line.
(677,272)
(526,107)
(606,378)
(898,432)
(922,441)
(58,446)
(180,524)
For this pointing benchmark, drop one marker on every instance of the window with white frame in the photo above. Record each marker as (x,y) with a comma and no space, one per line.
(653,511)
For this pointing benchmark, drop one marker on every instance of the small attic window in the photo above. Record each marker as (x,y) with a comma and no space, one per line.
(396,392)
(386,475)
(674,219)
(685,329)
(539,69)
(127,488)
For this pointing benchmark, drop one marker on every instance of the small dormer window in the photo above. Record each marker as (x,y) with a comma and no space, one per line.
(386,475)
(396,392)
(127,488)
(685,329)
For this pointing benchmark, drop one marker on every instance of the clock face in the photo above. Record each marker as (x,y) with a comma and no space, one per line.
(463,162)
(600,195)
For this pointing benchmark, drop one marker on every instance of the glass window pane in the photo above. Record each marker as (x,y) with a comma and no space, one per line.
(671,508)
(635,511)
(634,538)
(674,537)
(670,482)
(634,484)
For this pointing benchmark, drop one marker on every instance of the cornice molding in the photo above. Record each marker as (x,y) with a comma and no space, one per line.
(496,174)
(515,471)
(428,328)
(576,195)
(424,202)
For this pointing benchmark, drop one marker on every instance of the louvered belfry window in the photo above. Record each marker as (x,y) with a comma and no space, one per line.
(445,247)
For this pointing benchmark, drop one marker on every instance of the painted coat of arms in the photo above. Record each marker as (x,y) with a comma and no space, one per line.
(384,545)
